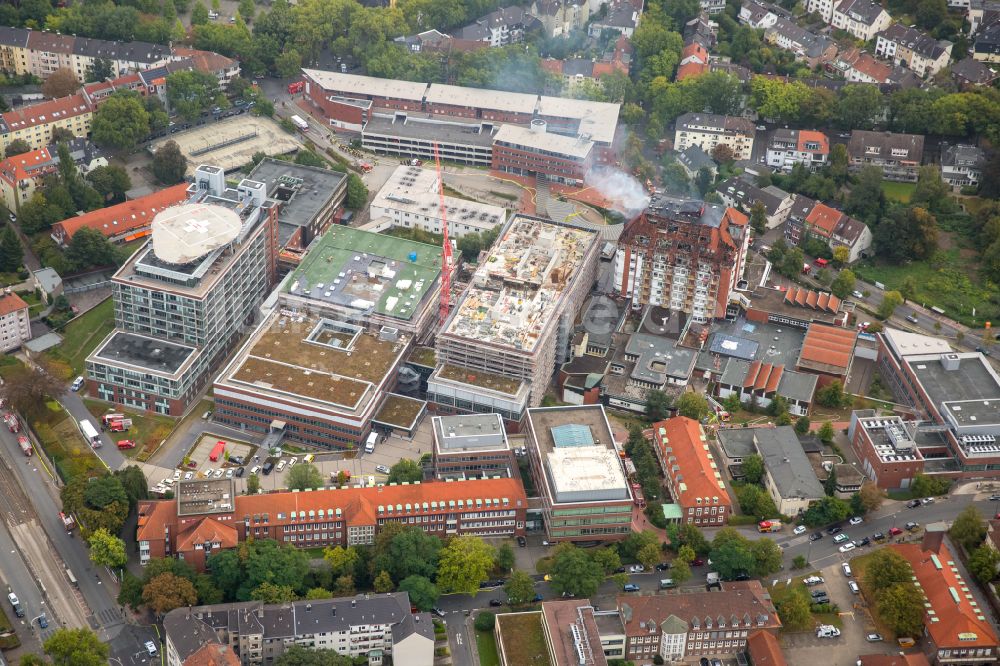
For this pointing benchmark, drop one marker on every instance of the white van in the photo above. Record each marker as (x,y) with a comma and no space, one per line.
(281,465)
(370,444)
(77,384)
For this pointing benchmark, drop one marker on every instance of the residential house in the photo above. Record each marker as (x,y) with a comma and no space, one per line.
(694,61)
(962,165)
(692,474)
(898,155)
(761,15)
(759,383)
(712,7)
(561,17)
(787,148)
(21,175)
(684,627)
(693,159)
(986,47)
(795,225)
(223,68)
(15,327)
(373,626)
(708,130)
(577,72)
(35,124)
(701,30)
(788,475)
(48,282)
(433,41)
(861,18)
(622,17)
(969,73)
(808,47)
(213,654)
(501,27)
(957,630)
(839,230)
(866,69)
(917,50)
(740,192)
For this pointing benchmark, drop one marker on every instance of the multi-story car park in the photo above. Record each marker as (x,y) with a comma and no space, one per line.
(579,474)
(515,320)
(183,299)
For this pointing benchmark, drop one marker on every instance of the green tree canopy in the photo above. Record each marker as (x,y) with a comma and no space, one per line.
(304,476)
(886,568)
(753,468)
(190,92)
(270,593)
(406,470)
(901,607)
(166,592)
(120,122)
(410,552)
(983,563)
(825,511)
(575,572)
(520,588)
(969,528)
(75,647)
(169,164)
(657,405)
(11,251)
(296,655)
(692,405)
(423,593)
(106,549)
(464,563)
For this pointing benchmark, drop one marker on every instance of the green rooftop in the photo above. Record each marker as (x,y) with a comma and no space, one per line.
(349,267)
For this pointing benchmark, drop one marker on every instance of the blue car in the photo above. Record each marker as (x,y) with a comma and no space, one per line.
(537,598)
(631,587)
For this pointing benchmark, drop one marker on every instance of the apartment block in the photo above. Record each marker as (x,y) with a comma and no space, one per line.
(861,18)
(693,475)
(586,495)
(21,175)
(207,517)
(917,50)
(708,130)
(34,124)
(683,254)
(962,165)
(184,299)
(898,155)
(787,148)
(15,327)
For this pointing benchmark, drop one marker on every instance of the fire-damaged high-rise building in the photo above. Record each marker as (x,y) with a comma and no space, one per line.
(684,255)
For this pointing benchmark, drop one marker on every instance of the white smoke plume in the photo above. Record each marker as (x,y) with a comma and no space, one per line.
(624,192)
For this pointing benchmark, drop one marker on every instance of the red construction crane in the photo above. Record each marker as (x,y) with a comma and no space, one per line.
(446,249)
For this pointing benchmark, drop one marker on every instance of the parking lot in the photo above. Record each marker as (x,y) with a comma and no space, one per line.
(263,135)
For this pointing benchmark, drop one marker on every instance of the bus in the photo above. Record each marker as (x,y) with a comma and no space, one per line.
(90,432)
(937,310)
(71,577)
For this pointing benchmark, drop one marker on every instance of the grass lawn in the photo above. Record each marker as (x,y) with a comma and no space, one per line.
(147,431)
(523,640)
(9,364)
(8,639)
(82,335)
(780,592)
(951,283)
(900,192)
(35,304)
(486,645)
(64,444)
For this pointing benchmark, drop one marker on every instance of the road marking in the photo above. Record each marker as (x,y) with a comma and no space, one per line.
(458,638)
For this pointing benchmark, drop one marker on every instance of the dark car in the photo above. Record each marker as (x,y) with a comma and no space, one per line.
(864,542)
(913,504)
(43,621)
(815,536)
(241,471)
(821,600)
(522,542)
(268,466)
(704,662)
(438,612)
(913,527)
(697,562)
(663,566)
(743,575)
(496,602)
(815,594)
(878,536)
(621,569)
(836,529)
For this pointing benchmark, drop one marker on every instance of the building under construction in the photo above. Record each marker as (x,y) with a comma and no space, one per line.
(503,339)
(684,255)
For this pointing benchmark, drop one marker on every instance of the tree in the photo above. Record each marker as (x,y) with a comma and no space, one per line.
(406,470)
(341,559)
(11,251)
(906,233)
(423,593)
(649,555)
(270,593)
(357,192)
(969,528)
(190,92)
(791,262)
(89,247)
(464,563)
(111,182)
(240,571)
(692,405)
(505,557)
(76,647)
(253,484)
(802,425)
(296,655)
(794,611)
(886,568)
(858,106)
(101,69)
(685,554)
(830,483)
(890,301)
(61,83)
(689,535)
(636,541)
(657,405)
(169,164)
(758,217)
(344,586)
(843,284)
(825,511)
(766,556)
(754,501)
(166,592)
(485,621)
(983,563)
(870,497)
(575,572)
(410,551)
(120,122)
(931,191)
(107,550)
(832,395)
(318,593)
(199,14)
(825,432)
(304,476)
(383,582)
(246,9)
(926,486)
(470,245)
(800,562)
(288,64)
(753,468)
(520,588)
(901,607)
(17,147)
(608,558)
(731,553)
(867,199)
(680,572)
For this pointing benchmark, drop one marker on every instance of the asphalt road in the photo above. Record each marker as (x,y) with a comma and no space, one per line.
(109,452)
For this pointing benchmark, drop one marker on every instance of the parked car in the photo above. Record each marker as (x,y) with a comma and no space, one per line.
(381,469)
(894,531)
(663,566)
(496,602)
(697,562)
(219,472)
(841,538)
(631,587)
(812,580)
(864,542)
(878,536)
(847,569)
(268,466)
(43,621)
(834,529)
(230,472)
(188,476)
(873,638)
(636,568)
(995,498)
(827,631)
(536,598)
(913,504)
(522,542)
(847,547)
(801,529)
(927,500)
(818,593)
(912,526)
(857,294)
(854,587)
(438,612)
(856,520)
(815,536)
(240,471)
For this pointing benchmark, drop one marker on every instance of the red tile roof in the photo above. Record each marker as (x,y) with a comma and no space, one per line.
(207,530)
(46,112)
(824,219)
(811,136)
(764,649)
(694,61)
(763,376)
(956,622)
(827,348)
(213,654)
(745,603)
(27,165)
(810,299)
(123,218)
(689,452)
(11,303)
(205,61)
(869,66)
(912,659)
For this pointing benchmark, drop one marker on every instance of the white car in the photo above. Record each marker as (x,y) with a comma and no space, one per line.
(841,538)
(847,569)
(188,476)
(827,631)
(857,294)
(636,568)
(812,580)
(292,461)
(177,474)
(847,547)
(219,472)
(856,520)
(230,472)
(801,529)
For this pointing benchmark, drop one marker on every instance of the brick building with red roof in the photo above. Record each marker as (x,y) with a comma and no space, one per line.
(827,351)
(694,61)
(35,124)
(123,222)
(207,516)
(21,175)
(213,654)
(693,475)
(15,329)
(764,649)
